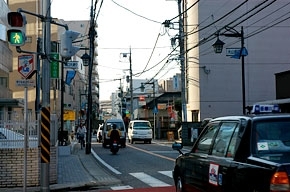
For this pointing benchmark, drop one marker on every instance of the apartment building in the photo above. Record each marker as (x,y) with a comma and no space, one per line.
(7,102)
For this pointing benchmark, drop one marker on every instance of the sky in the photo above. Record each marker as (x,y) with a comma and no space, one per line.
(125,25)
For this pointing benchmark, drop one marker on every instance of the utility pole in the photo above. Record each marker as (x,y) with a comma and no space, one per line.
(131,87)
(89,112)
(45,111)
(182,62)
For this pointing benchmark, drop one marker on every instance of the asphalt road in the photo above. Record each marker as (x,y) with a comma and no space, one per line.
(140,166)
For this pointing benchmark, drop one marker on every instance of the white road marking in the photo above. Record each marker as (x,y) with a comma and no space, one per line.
(105,164)
(121,187)
(153,182)
(164,152)
(167,173)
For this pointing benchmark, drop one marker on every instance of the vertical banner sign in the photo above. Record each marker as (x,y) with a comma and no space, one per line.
(54,66)
(45,135)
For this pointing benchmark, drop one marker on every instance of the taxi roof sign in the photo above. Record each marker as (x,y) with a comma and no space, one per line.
(258,109)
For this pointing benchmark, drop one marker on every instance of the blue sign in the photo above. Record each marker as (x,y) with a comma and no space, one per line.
(155,110)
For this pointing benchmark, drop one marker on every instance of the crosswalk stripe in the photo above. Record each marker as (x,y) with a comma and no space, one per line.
(151,181)
(121,187)
(167,173)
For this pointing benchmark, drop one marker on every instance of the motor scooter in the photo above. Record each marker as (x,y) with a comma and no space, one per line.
(114,147)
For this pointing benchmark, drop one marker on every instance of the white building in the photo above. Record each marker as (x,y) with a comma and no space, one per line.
(214,81)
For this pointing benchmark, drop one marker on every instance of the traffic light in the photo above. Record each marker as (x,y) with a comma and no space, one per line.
(67,49)
(16,34)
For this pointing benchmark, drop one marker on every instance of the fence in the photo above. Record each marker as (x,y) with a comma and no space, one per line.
(12,134)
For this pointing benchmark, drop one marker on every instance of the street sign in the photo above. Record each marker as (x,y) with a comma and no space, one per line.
(155,110)
(233,51)
(71,64)
(54,66)
(25,83)
(25,65)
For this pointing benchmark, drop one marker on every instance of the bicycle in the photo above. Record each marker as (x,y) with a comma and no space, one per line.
(82,140)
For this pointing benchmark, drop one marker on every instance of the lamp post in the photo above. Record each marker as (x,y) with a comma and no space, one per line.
(154,105)
(218,47)
(87,62)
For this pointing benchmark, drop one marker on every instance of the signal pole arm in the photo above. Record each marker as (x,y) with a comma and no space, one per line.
(42,18)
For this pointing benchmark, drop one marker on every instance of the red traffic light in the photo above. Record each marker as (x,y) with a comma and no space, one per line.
(16,19)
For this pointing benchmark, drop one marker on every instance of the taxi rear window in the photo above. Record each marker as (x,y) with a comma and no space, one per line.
(272,140)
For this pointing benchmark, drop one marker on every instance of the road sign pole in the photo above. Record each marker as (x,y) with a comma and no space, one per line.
(25,138)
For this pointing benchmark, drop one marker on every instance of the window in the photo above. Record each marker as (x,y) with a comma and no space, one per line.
(28,39)
(271,139)
(142,125)
(205,141)
(224,138)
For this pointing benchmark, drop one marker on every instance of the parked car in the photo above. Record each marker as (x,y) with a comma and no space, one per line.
(139,130)
(237,153)
(109,125)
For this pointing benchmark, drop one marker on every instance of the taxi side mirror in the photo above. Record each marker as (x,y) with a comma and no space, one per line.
(177,146)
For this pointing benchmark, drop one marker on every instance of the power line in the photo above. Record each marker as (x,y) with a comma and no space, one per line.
(136,13)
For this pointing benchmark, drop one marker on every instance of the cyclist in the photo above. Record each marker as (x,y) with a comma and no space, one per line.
(81,135)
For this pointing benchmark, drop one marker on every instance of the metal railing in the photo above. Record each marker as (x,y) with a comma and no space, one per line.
(12,134)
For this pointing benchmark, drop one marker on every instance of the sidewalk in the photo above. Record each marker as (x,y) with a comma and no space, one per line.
(80,171)
(76,171)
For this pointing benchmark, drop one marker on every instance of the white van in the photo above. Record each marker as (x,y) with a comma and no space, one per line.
(109,125)
(139,130)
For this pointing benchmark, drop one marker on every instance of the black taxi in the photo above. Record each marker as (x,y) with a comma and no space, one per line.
(248,153)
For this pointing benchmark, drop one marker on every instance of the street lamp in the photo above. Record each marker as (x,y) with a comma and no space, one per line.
(154,105)
(86,59)
(218,47)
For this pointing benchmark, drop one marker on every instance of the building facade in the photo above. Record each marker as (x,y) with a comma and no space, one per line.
(214,81)
(7,103)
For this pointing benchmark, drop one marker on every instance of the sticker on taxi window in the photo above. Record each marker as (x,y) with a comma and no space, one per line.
(262,146)
(213,174)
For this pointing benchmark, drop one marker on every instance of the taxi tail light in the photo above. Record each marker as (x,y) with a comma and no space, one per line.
(280,182)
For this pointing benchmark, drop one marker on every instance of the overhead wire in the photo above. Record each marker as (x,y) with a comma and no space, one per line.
(213,35)
(221,18)
(184,10)
(264,27)
(135,13)
(150,55)
(160,62)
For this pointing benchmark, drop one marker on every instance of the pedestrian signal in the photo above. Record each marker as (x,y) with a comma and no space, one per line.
(67,49)
(16,33)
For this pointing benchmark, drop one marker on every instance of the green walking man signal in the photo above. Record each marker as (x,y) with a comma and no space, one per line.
(16,33)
